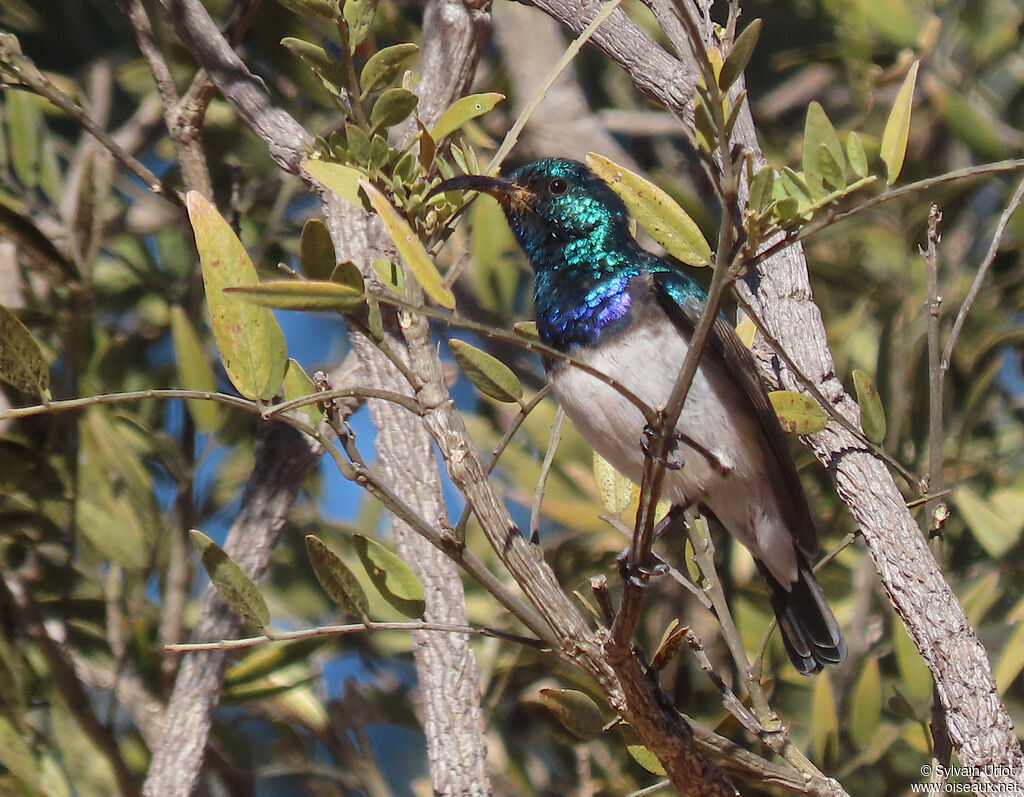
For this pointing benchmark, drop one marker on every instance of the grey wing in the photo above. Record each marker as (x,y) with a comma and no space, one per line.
(741,369)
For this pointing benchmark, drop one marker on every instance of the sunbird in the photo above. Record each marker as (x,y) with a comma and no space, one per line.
(603,299)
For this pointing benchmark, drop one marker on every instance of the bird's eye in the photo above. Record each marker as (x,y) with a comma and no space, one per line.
(558,186)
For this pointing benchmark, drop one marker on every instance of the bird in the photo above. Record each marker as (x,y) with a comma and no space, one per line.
(604,300)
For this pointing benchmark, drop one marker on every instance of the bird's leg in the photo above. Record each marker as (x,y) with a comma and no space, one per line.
(640,573)
(673,459)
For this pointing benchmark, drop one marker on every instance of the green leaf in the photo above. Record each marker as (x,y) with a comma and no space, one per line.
(739,56)
(855,155)
(831,172)
(1011,660)
(645,758)
(656,212)
(392,107)
(392,577)
(391,274)
(915,677)
(342,180)
(21,360)
(897,127)
(359,15)
(461,111)
(997,523)
(323,9)
(316,58)
(528,329)
(359,147)
(981,596)
(301,295)
(316,250)
(866,704)
(410,248)
(250,341)
(792,184)
(818,132)
(296,384)
(575,710)
(194,371)
(385,65)
(761,188)
(798,414)
(24,120)
(615,489)
(334,576)
(824,721)
(349,275)
(872,413)
(491,376)
(234,586)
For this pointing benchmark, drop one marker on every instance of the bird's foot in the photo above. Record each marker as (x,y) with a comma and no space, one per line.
(639,574)
(673,459)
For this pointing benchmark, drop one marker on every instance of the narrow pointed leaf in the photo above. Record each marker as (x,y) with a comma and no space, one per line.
(249,338)
(334,576)
(645,758)
(671,642)
(17,758)
(575,710)
(342,180)
(615,489)
(856,156)
(824,720)
(528,329)
(491,376)
(798,414)
(385,65)
(392,107)
(301,295)
(317,59)
(897,127)
(793,184)
(194,371)
(296,384)
(818,132)
(359,15)
(316,250)
(739,57)
(21,360)
(872,413)
(231,582)
(996,522)
(461,111)
(831,172)
(392,577)
(656,212)
(761,188)
(1011,660)
(410,248)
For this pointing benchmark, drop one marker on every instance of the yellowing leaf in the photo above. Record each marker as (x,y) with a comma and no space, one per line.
(798,414)
(410,248)
(461,111)
(996,523)
(577,712)
(745,331)
(915,677)
(897,127)
(656,212)
(824,721)
(818,132)
(194,370)
(249,339)
(855,155)
(342,180)
(297,384)
(866,704)
(231,582)
(615,489)
(1011,660)
(301,295)
(490,375)
(21,361)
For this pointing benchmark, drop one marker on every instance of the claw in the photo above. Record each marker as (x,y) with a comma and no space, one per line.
(673,460)
(638,575)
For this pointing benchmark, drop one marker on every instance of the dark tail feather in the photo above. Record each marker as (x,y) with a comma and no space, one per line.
(809,629)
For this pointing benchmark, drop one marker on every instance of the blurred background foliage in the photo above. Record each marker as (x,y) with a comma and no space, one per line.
(93,502)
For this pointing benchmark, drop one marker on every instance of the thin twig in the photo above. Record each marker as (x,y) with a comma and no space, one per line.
(542,479)
(972,294)
(934,510)
(354,628)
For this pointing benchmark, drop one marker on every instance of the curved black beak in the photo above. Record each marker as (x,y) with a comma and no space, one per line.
(505,191)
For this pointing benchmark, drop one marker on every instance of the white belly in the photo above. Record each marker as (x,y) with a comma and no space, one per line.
(647,359)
